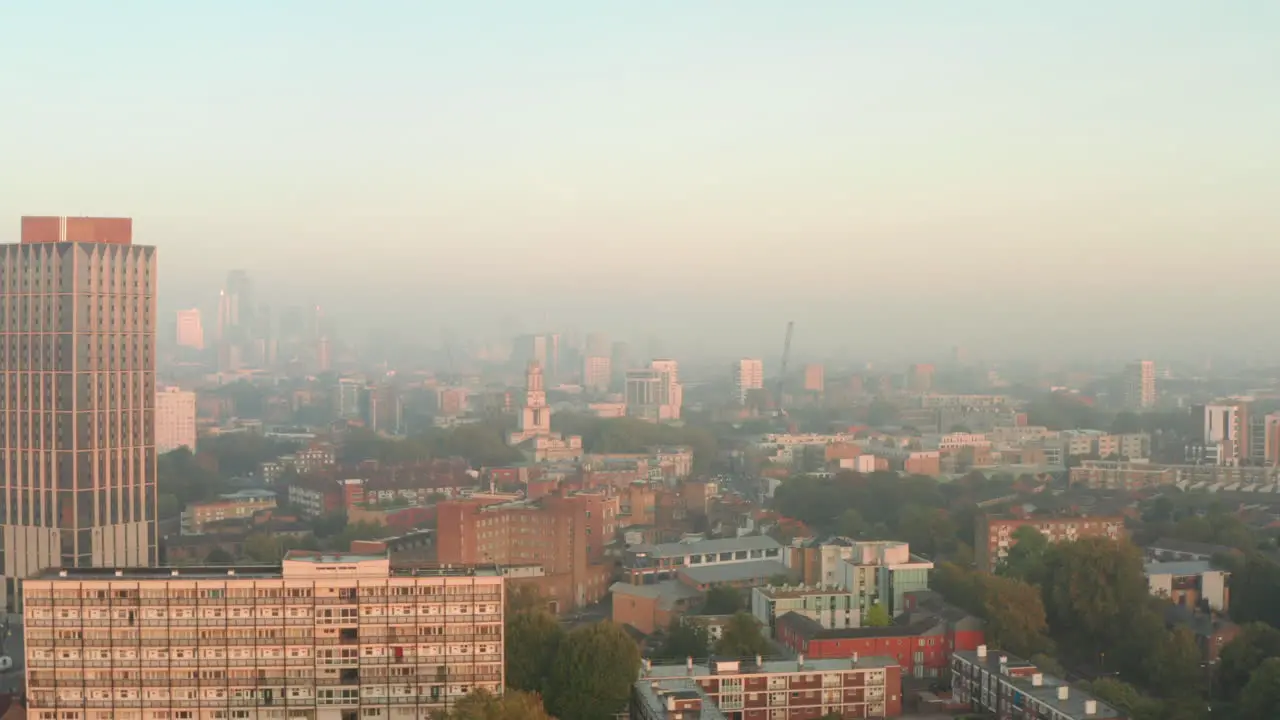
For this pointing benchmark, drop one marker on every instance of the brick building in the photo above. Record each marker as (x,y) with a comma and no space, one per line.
(564,535)
(923,646)
(993,536)
(801,689)
(232,506)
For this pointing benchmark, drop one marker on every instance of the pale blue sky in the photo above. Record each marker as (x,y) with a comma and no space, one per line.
(918,173)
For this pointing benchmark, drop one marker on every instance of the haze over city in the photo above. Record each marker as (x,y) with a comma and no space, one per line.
(567,360)
(1098,179)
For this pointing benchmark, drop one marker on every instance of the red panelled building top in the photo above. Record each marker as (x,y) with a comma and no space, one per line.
(112,231)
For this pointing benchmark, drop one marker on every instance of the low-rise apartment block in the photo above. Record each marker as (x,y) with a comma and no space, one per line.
(994,535)
(318,637)
(883,572)
(923,647)
(645,564)
(1189,584)
(240,505)
(869,687)
(1136,475)
(1013,689)
(828,606)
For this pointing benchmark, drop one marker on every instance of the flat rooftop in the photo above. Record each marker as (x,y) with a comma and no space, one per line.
(1047,692)
(717,666)
(707,547)
(1178,568)
(210,572)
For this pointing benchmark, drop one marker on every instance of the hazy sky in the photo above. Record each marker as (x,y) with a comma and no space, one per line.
(891,175)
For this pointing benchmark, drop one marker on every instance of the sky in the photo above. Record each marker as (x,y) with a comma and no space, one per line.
(896,177)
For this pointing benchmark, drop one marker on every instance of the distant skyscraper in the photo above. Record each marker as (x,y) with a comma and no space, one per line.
(596,373)
(814,378)
(643,387)
(190,329)
(920,378)
(77,399)
(1223,429)
(748,375)
(670,391)
(324,352)
(597,345)
(347,401)
(619,361)
(239,292)
(530,348)
(175,420)
(1140,385)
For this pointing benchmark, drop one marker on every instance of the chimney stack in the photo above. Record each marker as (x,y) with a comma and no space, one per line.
(1037,680)
(982,651)
(1064,692)
(1090,707)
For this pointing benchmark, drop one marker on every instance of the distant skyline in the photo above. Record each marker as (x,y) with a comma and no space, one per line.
(1089,179)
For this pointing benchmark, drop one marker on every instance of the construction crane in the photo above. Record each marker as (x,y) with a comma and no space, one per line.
(782,367)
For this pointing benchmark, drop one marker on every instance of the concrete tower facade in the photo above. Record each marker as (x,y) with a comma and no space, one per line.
(77,358)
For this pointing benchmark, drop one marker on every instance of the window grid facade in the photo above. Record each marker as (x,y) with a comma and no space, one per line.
(77,398)
(286,647)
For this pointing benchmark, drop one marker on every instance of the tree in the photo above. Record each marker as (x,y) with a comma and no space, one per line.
(1256,643)
(1261,697)
(1015,615)
(1126,423)
(532,638)
(685,640)
(592,674)
(363,530)
(1092,587)
(511,705)
(877,616)
(1026,559)
(961,587)
(742,638)
(167,506)
(1174,669)
(522,598)
(1125,698)
(218,556)
(928,530)
(882,413)
(261,547)
(851,524)
(722,600)
(1049,664)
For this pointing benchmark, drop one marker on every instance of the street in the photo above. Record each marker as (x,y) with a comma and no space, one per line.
(11,680)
